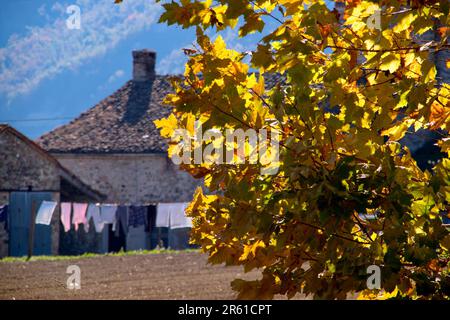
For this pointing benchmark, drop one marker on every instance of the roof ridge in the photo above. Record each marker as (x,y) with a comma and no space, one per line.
(116,129)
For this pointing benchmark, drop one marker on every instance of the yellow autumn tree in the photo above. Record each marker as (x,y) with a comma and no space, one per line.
(349,84)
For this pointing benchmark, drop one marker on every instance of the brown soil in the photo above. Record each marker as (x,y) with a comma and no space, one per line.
(150,276)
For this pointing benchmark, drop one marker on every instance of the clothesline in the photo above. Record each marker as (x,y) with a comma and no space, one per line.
(169,215)
(137,204)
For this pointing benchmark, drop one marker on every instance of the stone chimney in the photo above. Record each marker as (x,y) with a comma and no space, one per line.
(144,65)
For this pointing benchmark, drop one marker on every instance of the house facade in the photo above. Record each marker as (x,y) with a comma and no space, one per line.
(115,147)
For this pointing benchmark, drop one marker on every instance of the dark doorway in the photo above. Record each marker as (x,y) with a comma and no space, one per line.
(117,239)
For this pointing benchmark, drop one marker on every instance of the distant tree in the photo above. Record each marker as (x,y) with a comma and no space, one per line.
(352,84)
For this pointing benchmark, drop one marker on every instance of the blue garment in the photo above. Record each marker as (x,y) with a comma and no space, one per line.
(151,218)
(122,220)
(4,215)
(137,216)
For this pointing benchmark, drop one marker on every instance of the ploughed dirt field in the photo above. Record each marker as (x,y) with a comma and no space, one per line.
(182,275)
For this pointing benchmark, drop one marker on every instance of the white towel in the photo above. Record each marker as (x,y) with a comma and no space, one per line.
(94,213)
(172,215)
(45,213)
(178,218)
(108,214)
(163,215)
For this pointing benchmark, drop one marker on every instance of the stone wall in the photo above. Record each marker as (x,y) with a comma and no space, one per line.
(23,167)
(4,198)
(132,178)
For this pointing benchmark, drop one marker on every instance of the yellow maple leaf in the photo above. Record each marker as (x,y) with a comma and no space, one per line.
(398,131)
(439,114)
(251,249)
(390,62)
(167,125)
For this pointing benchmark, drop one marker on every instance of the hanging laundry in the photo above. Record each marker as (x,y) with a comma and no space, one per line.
(4,215)
(108,214)
(137,216)
(94,213)
(178,218)
(66,210)
(122,220)
(79,214)
(163,215)
(45,212)
(151,218)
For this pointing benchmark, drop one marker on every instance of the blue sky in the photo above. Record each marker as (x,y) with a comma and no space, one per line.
(48,71)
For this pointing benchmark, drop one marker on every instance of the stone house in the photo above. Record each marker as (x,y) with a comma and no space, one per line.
(115,147)
(29,175)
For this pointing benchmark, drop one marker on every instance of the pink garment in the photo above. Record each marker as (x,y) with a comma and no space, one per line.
(79,214)
(66,210)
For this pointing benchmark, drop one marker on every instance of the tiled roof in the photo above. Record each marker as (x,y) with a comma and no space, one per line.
(121,123)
